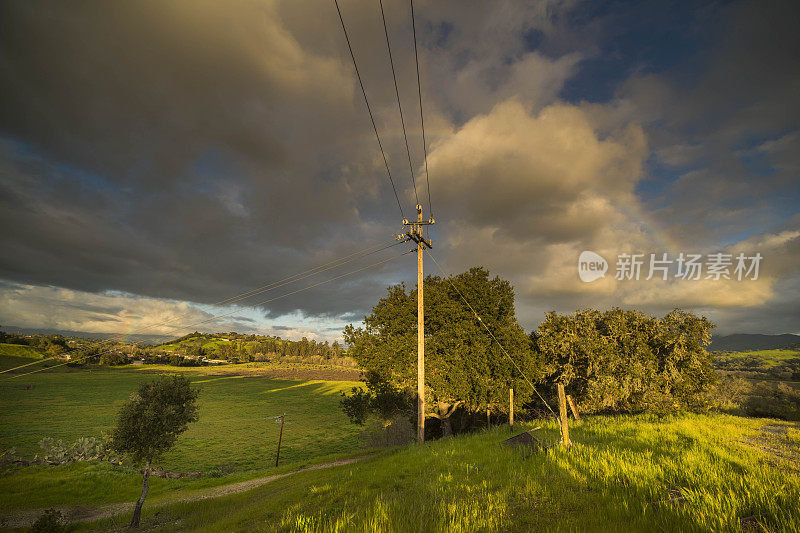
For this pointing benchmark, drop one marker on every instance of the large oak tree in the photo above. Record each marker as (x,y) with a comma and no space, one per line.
(463,364)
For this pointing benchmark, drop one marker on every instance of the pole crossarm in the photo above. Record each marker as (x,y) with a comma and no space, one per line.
(414,230)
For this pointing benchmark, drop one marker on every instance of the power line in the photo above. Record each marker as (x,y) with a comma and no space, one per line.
(369,109)
(421,119)
(265,288)
(399,106)
(313,271)
(480,320)
(238,310)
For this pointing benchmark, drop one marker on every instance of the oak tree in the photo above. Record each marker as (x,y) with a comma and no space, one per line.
(463,363)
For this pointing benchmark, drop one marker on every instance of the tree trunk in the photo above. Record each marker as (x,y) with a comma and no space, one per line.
(137,513)
(444,417)
(445,411)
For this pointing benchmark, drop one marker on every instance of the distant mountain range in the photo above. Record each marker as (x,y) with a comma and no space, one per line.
(742,342)
(145,339)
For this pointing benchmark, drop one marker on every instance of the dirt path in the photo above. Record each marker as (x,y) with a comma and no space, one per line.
(72,514)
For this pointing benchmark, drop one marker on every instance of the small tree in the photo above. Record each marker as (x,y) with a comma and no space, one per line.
(150,421)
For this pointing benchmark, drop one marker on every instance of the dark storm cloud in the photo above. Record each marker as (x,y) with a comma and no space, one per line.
(191,149)
(175,149)
(195,149)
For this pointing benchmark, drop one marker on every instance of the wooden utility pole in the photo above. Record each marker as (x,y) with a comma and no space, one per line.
(420,339)
(280,437)
(511,408)
(415,234)
(562,413)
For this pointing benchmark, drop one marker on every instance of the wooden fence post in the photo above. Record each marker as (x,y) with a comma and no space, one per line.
(511,408)
(280,438)
(562,411)
(573,407)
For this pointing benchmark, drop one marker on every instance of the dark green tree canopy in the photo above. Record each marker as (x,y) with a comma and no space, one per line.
(627,361)
(462,362)
(151,420)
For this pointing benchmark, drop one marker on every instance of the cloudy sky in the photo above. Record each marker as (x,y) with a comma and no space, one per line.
(158,157)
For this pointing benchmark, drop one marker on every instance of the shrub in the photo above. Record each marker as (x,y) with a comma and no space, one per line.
(768,400)
(397,432)
(83,449)
(51,521)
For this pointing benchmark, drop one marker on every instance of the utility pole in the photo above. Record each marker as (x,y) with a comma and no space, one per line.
(414,233)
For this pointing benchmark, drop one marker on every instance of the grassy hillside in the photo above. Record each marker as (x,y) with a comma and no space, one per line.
(764,359)
(686,473)
(234,438)
(640,473)
(18,350)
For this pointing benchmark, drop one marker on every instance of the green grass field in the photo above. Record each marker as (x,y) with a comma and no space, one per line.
(18,350)
(639,473)
(684,473)
(235,437)
(767,358)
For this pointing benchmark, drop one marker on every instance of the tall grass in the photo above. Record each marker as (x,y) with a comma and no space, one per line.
(686,473)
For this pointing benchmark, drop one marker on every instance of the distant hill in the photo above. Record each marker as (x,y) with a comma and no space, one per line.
(144,339)
(741,342)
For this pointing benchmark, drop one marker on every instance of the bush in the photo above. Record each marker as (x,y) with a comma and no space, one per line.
(762,399)
(397,432)
(382,399)
(732,391)
(767,400)
(113,358)
(52,521)
(357,405)
(83,449)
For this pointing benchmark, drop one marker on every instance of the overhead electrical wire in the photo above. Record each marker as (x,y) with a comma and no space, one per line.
(369,108)
(265,288)
(239,310)
(480,320)
(421,118)
(399,105)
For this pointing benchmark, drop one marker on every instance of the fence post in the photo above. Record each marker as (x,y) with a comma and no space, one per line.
(511,408)
(562,411)
(280,438)
(573,407)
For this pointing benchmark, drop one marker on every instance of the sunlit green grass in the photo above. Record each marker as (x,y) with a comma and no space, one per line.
(19,350)
(687,473)
(235,437)
(638,473)
(769,358)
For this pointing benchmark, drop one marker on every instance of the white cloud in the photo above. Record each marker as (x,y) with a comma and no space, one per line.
(53,308)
